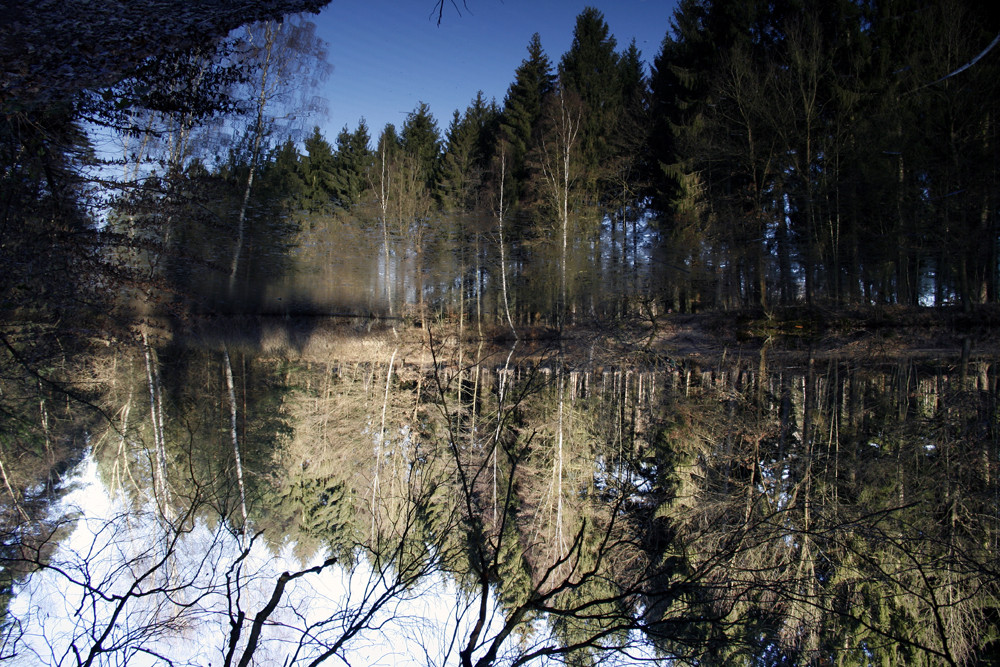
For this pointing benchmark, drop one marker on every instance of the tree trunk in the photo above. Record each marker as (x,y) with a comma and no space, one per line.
(258,136)
(381,440)
(503,261)
(159,470)
(236,441)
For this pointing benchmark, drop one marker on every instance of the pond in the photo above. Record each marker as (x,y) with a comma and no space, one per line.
(371,497)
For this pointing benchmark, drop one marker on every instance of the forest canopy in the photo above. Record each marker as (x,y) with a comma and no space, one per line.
(828,154)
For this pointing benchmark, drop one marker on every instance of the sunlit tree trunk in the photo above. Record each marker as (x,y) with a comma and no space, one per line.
(264,94)
(383,204)
(503,388)
(479,287)
(501,212)
(557,157)
(558,468)
(159,464)
(381,442)
(10,490)
(117,477)
(235,438)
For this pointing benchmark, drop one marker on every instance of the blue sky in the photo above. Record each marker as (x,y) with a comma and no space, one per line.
(389,55)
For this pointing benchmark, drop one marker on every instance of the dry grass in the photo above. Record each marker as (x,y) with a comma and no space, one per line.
(798,334)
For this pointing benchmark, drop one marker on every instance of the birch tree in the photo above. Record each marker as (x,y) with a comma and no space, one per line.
(381,180)
(501,212)
(282,54)
(558,145)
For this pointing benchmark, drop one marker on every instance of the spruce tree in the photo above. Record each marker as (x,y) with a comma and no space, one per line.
(422,141)
(533,81)
(456,176)
(590,70)
(317,173)
(350,165)
(467,153)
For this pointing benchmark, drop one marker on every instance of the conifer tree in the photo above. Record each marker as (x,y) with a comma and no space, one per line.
(422,141)
(534,79)
(590,70)
(467,152)
(457,177)
(350,165)
(318,167)
(624,179)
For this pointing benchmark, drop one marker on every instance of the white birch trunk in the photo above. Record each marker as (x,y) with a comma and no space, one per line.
(381,440)
(560,540)
(159,464)
(266,90)
(10,491)
(556,167)
(118,475)
(501,211)
(230,388)
(501,394)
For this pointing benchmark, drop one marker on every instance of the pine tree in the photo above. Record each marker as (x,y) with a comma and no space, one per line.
(318,167)
(625,176)
(350,165)
(590,70)
(695,152)
(422,141)
(467,153)
(533,81)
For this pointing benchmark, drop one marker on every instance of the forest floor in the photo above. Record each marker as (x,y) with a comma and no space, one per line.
(798,334)
(792,335)
(801,333)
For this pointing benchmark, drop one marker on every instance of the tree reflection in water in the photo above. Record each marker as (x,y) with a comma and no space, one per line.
(520,506)
(126,588)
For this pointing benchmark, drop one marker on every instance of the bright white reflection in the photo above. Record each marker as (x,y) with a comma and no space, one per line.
(123,589)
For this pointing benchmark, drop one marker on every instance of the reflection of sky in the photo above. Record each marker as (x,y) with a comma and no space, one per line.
(111,548)
(387,55)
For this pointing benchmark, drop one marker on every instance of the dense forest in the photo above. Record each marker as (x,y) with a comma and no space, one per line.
(598,497)
(828,154)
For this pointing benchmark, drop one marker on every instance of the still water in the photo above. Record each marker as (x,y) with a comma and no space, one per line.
(370,498)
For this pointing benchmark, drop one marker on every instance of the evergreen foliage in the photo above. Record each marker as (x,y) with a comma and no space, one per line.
(421,141)
(534,80)
(318,167)
(590,70)
(778,153)
(352,161)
